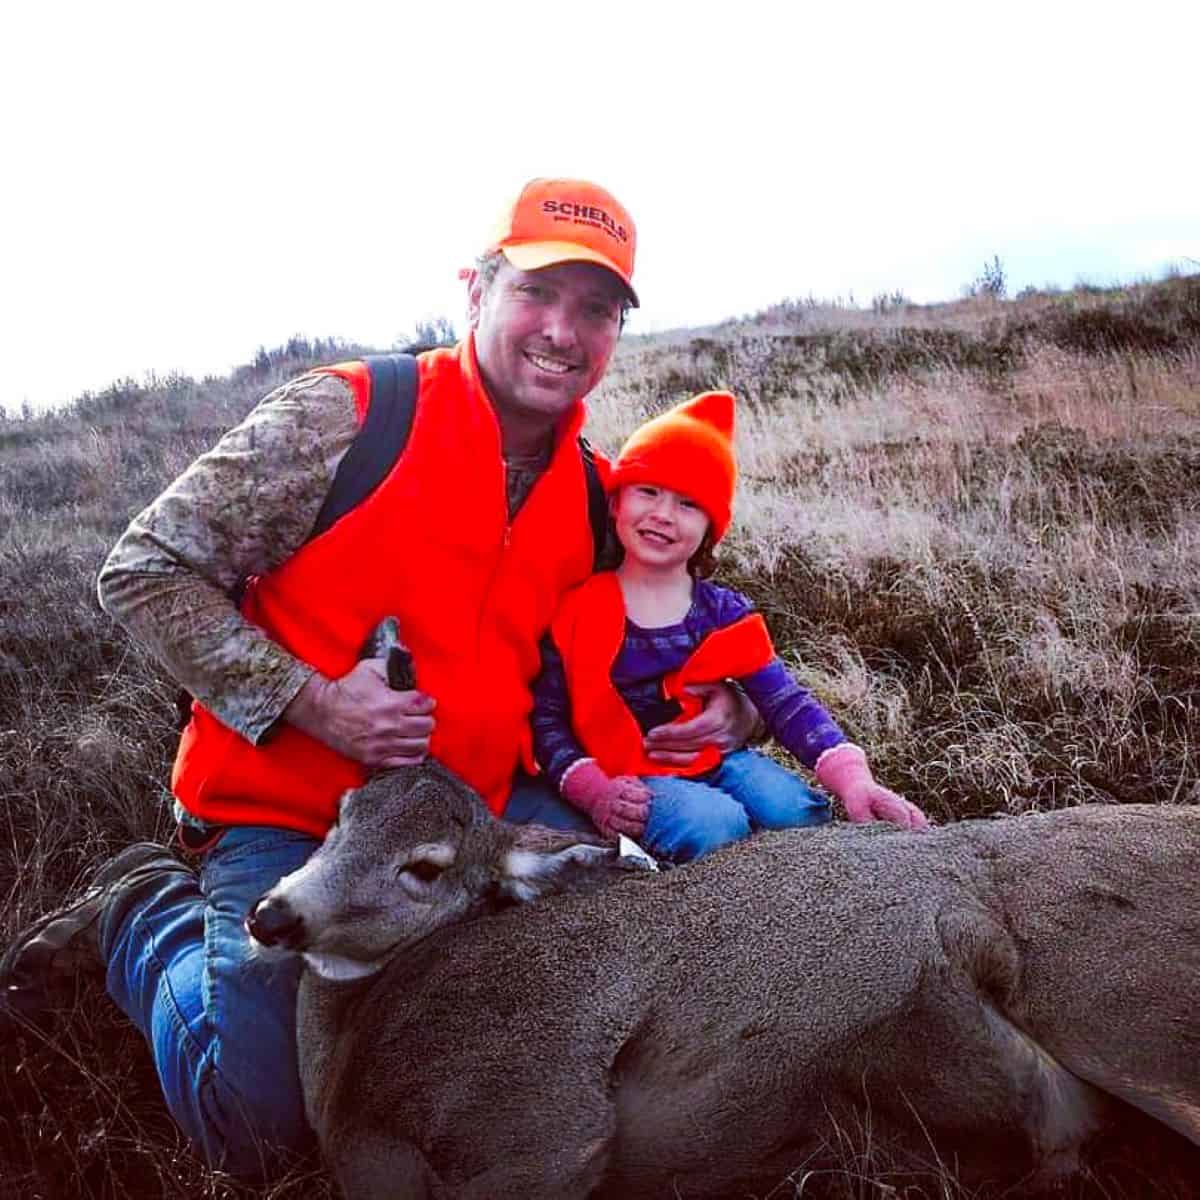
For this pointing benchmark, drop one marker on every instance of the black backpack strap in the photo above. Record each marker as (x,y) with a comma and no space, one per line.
(597,501)
(380,441)
(376,447)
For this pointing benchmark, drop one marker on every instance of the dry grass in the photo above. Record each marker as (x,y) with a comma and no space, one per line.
(974,528)
(993,580)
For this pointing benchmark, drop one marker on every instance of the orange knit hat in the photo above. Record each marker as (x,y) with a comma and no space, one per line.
(688,449)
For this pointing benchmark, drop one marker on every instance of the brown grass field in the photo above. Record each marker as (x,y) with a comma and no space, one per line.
(974,529)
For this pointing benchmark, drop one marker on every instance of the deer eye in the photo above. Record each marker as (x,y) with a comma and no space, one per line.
(424,866)
(424,869)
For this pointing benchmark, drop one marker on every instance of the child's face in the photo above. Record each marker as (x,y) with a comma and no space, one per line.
(658,527)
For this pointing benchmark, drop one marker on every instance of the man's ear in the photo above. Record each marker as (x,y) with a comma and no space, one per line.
(540,861)
(474,298)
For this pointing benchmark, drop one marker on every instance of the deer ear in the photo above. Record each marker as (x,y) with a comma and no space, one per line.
(540,861)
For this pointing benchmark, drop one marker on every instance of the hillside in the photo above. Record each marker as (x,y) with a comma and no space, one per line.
(974,529)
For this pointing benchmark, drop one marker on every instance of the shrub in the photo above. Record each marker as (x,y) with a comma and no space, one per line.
(426,335)
(1161,318)
(991,281)
(886,302)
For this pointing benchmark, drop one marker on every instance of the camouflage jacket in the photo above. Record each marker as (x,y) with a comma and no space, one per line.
(239,510)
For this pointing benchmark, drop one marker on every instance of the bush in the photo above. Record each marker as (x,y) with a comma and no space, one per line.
(426,335)
(991,281)
(887,302)
(1162,318)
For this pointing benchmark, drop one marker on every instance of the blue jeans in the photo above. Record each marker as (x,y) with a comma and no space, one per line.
(692,817)
(219,1018)
(220,1021)
(535,801)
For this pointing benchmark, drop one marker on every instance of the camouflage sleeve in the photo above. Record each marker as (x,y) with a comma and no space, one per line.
(239,510)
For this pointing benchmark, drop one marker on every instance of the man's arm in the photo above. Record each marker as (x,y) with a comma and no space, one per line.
(729,719)
(239,510)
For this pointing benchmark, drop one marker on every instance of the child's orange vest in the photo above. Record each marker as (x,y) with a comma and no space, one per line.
(589,630)
(432,545)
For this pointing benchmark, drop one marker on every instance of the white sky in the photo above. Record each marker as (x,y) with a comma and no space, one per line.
(184,183)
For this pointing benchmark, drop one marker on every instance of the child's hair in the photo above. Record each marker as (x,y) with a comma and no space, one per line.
(704,562)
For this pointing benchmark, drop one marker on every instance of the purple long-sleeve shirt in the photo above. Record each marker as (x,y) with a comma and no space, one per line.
(791,713)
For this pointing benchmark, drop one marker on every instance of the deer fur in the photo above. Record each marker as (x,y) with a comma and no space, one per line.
(987,996)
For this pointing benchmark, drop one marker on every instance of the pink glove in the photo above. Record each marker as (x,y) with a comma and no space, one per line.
(616,806)
(844,772)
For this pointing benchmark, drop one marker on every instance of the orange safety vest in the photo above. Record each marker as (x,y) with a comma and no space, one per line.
(589,630)
(433,546)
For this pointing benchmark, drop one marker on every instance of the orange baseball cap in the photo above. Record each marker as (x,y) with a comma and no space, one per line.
(567,220)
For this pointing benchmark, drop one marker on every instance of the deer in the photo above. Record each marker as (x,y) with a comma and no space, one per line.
(498,1011)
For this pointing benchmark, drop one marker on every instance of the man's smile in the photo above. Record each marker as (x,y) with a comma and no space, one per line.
(554,366)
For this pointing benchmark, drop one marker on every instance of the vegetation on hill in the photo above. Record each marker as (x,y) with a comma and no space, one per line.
(974,529)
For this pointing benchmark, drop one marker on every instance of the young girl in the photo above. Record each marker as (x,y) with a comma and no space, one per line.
(626,644)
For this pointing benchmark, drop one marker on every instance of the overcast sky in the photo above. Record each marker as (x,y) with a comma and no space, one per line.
(184,183)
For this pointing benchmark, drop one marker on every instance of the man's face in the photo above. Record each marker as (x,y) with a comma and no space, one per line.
(544,338)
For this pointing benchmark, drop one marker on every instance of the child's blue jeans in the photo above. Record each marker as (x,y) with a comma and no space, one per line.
(692,817)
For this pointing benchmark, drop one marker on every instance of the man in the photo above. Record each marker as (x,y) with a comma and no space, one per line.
(470,541)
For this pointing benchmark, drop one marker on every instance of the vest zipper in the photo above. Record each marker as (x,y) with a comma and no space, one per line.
(505,542)
(507,539)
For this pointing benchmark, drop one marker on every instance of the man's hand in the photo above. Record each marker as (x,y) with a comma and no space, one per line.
(727,722)
(361,717)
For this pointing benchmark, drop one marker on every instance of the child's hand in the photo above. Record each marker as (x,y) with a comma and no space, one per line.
(616,806)
(877,803)
(844,771)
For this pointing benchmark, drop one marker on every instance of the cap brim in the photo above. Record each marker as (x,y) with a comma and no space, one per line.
(533,256)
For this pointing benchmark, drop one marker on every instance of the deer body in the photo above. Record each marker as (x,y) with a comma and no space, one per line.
(977,995)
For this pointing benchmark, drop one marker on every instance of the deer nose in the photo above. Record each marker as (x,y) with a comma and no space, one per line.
(273,922)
